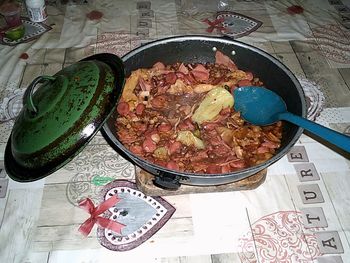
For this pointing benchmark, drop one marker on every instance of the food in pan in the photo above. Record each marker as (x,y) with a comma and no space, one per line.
(181,117)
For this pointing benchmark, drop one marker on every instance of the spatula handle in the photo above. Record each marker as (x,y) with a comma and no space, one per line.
(336,138)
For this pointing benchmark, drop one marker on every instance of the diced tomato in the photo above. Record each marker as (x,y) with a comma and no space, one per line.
(139,126)
(187,124)
(136,149)
(139,109)
(174,147)
(209,126)
(160,162)
(149,145)
(238,164)
(123,108)
(213,169)
(164,127)
(172,165)
(263,149)
(150,132)
(225,168)
(170,78)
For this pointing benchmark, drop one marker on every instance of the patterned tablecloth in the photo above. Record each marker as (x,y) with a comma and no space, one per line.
(299,214)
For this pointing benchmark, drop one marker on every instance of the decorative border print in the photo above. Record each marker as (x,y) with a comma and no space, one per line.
(161,212)
(332,41)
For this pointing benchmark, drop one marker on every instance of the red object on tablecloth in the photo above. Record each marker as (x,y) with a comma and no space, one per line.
(94,212)
(94,15)
(216,24)
(295,9)
(24,56)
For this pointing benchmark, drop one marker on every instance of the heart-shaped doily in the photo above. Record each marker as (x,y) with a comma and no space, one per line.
(33,30)
(142,216)
(237,25)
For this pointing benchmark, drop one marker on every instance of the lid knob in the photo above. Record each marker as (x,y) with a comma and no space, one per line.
(28,95)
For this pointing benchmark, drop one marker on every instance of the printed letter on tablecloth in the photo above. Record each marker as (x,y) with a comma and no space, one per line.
(329,242)
(306,172)
(313,217)
(146,13)
(144,23)
(143,5)
(297,154)
(310,194)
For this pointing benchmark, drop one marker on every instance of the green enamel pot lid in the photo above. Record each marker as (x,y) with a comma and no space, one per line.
(61,114)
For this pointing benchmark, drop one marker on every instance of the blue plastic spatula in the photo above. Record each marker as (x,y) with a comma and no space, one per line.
(260,106)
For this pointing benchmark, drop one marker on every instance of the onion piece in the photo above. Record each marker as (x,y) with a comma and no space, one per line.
(187,138)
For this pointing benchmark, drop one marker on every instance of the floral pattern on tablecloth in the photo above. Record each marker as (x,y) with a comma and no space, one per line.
(280,237)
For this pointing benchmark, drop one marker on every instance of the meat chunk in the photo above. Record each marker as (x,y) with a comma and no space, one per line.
(200,73)
(222,59)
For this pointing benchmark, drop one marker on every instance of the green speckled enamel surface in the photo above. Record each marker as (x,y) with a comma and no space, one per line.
(70,110)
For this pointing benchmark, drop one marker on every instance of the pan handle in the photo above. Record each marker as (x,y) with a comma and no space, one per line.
(168,182)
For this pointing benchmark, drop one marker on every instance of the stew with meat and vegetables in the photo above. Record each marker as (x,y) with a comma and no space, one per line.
(181,117)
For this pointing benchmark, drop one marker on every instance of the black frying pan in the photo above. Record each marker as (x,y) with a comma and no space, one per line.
(191,49)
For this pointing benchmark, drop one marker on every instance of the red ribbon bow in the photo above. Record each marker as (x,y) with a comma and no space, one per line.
(94,212)
(216,24)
